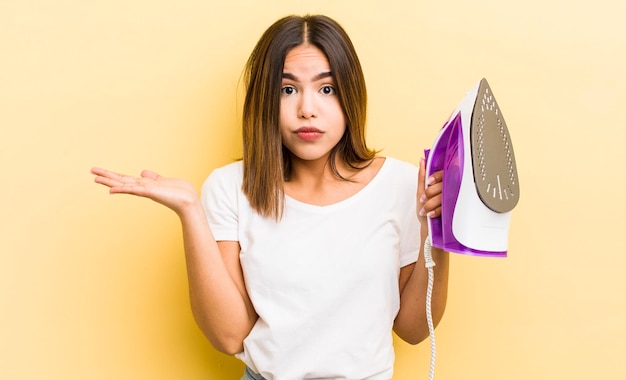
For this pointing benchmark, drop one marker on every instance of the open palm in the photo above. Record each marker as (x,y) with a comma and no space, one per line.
(173,193)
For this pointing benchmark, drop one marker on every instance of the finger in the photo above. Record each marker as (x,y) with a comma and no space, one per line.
(436,177)
(432,206)
(435,213)
(96,170)
(113,175)
(420,180)
(106,181)
(433,190)
(130,188)
(150,175)
(102,176)
(119,183)
(104,173)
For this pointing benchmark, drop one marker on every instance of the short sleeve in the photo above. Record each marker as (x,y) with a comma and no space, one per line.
(220,197)
(410,244)
(411,239)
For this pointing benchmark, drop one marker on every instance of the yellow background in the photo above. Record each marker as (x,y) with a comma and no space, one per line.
(93,286)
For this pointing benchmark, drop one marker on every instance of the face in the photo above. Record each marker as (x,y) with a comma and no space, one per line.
(312,121)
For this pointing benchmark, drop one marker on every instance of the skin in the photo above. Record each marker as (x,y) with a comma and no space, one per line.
(219,300)
(309,101)
(410,323)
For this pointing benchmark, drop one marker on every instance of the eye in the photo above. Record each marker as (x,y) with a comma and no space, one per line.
(288,90)
(328,90)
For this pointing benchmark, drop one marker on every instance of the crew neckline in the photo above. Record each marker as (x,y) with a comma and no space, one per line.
(289,201)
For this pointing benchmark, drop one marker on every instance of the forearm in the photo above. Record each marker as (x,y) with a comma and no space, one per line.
(220,309)
(410,323)
(219,300)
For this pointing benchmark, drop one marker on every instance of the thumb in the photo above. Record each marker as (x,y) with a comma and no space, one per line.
(150,175)
(421,177)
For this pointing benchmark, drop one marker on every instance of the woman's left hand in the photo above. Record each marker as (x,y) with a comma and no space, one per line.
(428,197)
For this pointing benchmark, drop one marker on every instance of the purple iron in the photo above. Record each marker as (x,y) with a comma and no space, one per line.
(480,183)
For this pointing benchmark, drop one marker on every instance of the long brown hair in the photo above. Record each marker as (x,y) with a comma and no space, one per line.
(266,162)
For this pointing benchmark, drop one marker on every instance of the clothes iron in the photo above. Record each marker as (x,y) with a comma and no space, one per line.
(480,182)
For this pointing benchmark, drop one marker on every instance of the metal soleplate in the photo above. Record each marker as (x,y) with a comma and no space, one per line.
(493,161)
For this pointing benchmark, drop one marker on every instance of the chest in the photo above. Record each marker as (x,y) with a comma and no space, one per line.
(320,252)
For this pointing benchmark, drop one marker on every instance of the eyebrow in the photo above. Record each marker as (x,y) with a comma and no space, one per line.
(319,76)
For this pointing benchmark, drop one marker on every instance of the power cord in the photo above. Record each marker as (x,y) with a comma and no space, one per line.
(429,263)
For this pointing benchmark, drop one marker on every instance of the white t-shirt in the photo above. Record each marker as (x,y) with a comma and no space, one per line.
(324,279)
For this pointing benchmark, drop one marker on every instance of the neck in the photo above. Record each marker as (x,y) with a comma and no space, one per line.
(318,171)
(315,183)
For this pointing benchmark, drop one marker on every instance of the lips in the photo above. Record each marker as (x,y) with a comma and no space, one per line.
(309,133)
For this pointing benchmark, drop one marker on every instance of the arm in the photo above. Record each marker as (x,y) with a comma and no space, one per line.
(410,323)
(219,301)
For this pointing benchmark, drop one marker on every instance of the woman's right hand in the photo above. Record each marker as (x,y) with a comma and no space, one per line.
(175,194)
(218,295)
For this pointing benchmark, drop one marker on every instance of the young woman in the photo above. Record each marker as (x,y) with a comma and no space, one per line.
(304,256)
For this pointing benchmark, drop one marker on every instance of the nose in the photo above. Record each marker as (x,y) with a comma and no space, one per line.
(307,108)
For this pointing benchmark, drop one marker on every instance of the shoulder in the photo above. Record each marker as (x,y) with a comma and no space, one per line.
(400,164)
(234,169)
(226,177)
(396,179)
(400,170)
(229,172)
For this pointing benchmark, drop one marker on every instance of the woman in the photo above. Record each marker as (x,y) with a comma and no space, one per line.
(305,255)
